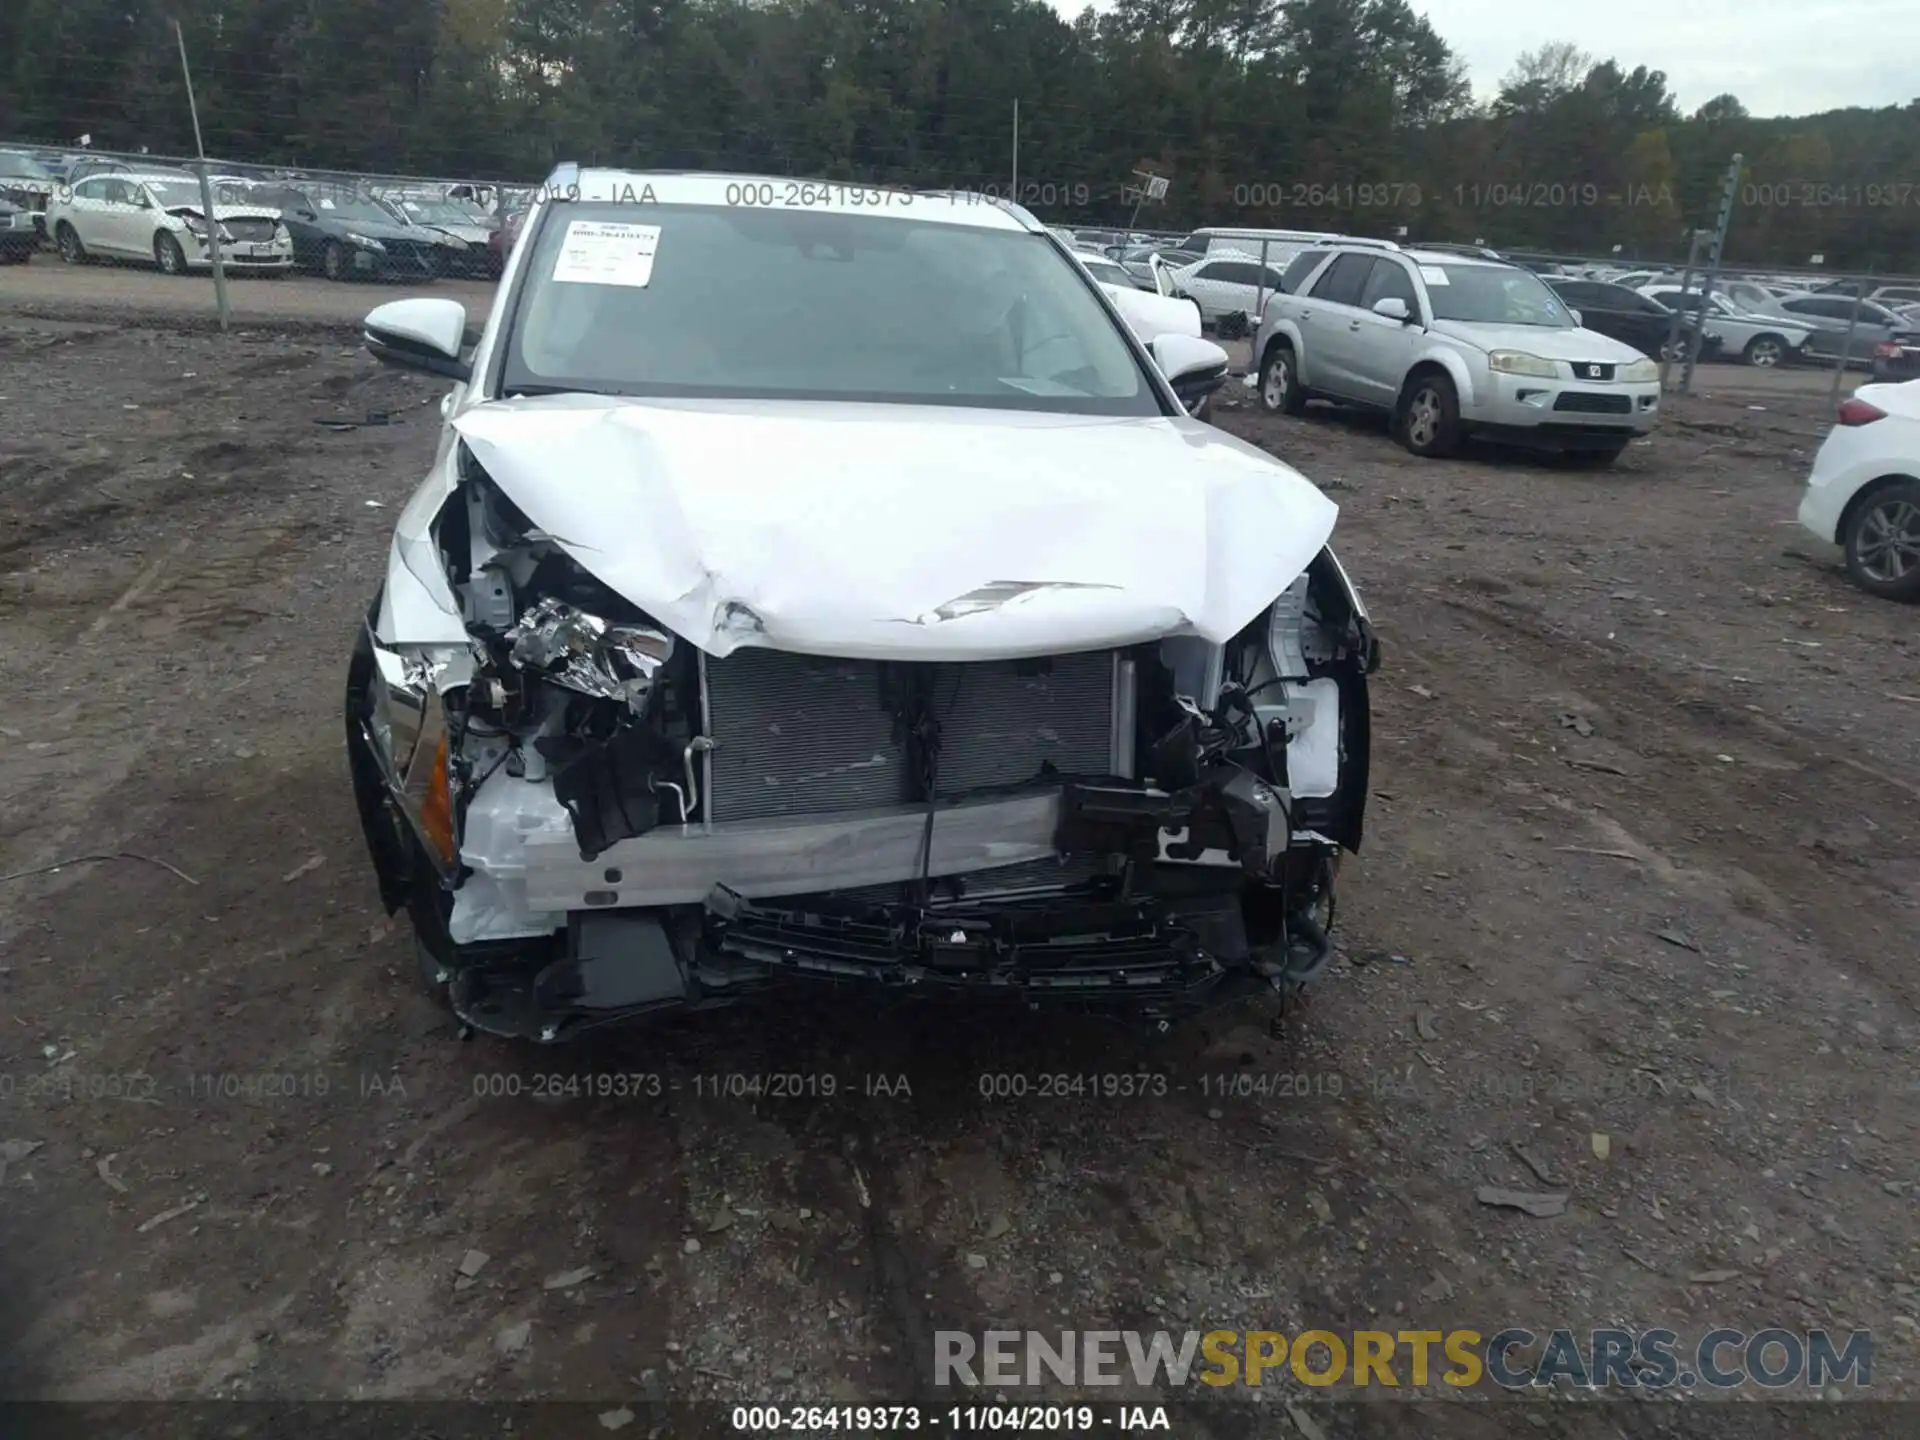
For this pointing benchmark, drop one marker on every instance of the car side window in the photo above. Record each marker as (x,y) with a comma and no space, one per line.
(1388,280)
(1303,265)
(117,192)
(1235,272)
(1342,281)
(90,190)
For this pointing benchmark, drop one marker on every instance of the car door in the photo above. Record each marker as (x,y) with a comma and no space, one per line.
(1381,349)
(1653,323)
(1827,315)
(140,219)
(1199,284)
(87,213)
(1624,315)
(123,218)
(298,214)
(1224,282)
(1712,323)
(1586,297)
(1329,329)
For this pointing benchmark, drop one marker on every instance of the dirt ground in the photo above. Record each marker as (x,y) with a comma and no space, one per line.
(1641,865)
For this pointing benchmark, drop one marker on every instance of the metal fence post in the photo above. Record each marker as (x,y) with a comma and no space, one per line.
(1846,345)
(206,191)
(1673,325)
(1259,297)
(1725,218)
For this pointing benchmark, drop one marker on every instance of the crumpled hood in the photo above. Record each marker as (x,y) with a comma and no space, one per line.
(914,532)
(228,212)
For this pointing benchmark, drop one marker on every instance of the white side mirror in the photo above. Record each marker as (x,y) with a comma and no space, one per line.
(1393,308)
(420,335)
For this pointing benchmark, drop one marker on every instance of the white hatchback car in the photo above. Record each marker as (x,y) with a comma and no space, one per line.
(161,219)
(817,584)
(1864,492)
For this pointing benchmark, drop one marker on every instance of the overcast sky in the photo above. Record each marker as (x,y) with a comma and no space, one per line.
(1781,57)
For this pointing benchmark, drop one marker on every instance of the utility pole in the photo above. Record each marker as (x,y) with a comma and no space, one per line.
(1014,196)
(1727,194)
(1680,309)
(206,190)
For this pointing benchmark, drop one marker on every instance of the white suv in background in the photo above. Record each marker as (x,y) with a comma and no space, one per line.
(161,219)
(1447,346)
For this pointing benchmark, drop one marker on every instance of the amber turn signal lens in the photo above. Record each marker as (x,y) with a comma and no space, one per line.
(436,807)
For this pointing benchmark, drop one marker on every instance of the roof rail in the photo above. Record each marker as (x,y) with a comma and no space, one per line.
(1366,240)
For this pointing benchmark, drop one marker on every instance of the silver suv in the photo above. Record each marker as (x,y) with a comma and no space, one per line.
(1449,345)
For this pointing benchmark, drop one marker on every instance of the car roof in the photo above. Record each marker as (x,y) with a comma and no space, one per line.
(1452,257)
(703,187)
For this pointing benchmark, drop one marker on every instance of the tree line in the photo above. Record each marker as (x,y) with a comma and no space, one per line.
(1320,114)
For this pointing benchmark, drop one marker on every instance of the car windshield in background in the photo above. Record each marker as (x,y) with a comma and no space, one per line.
(724,302)
(351,207)
(23,167)
(173,194)
(1493,295)
(436,212)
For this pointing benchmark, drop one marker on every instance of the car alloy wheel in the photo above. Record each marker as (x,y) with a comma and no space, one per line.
(1887,543)
(1279,381)
(333,261)
(69,243)
(1764,351)
(1425,415)
(167,255)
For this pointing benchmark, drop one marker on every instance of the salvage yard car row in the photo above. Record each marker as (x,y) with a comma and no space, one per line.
(155,215)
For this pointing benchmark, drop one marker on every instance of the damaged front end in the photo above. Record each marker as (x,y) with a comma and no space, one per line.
(590,819)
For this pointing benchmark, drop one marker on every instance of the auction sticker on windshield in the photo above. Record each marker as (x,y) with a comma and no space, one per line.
(1434,275)
(600,252)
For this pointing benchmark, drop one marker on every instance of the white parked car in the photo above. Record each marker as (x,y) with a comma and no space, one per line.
(814,583)
(1448,345)
(161,218)
(1756,338)
(1229,285)
(1864,492)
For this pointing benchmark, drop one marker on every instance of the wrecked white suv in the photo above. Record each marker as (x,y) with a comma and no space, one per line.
(824,583)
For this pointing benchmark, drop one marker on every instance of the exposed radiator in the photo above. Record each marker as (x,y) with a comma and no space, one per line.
(252,229)
(803,735)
